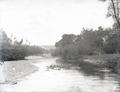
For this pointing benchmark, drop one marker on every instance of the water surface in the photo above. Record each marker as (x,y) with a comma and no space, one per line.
(60,80)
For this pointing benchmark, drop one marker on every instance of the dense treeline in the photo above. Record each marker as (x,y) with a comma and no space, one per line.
(16,50)
(89,42)
(102,45)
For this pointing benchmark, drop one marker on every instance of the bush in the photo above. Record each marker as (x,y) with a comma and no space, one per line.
(67,52)
(13,53)
(113,64)
(15,50)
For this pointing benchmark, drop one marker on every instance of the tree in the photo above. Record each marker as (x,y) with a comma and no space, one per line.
(114,10)
(66,40)
(91,41)
(112,44)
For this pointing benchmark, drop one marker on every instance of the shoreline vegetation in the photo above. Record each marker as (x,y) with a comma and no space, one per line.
(93,50)
(12,49)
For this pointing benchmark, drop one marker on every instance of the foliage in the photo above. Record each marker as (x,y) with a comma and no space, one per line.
(114,11)
(34,50)
(92,42)
(89,42)
(112,44)
(16,50)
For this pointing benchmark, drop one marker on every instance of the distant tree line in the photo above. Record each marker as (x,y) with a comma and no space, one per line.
(88,42)
(16,50)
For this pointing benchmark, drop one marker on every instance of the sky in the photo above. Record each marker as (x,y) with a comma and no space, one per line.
(43,22)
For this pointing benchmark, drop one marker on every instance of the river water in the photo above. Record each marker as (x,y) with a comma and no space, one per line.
(60,80)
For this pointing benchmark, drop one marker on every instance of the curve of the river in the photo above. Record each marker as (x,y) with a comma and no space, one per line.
(60,80)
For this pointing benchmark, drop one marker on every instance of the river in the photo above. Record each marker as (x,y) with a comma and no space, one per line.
(64,80)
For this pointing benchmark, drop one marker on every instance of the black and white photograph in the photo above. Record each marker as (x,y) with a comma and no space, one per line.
(59,45)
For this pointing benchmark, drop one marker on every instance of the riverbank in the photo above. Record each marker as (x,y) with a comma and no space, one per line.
(60,80)
(95,65)
(16,70)
(109,61)
(61,77)
(19,69)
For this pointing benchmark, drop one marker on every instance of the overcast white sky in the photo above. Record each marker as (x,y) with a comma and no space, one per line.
(43,22)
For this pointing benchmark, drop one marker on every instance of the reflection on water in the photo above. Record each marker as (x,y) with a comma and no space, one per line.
(89,69)
(65,80)
(102,74)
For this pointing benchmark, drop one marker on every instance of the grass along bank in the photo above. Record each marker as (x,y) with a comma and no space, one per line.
(110,61)
(95,65)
